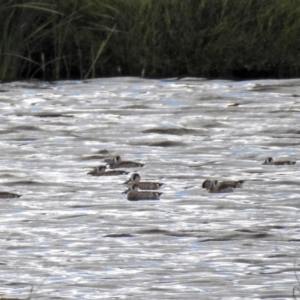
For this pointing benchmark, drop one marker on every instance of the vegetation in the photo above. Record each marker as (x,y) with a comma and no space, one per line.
(159,38)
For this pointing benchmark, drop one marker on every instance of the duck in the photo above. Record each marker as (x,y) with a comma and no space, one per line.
(101,171)
(133,194)
(9,195)
(143,185)
(270,161)
(117,162)
(230,183)
(220,187)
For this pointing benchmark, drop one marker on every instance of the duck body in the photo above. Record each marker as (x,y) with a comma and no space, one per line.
(101,171)
(133,194)
(270,161)
(228,183)
(117,162)
(220,187)
(4,195)
(143,185)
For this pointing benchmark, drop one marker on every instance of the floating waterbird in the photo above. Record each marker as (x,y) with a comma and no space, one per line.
(9,195)
(102,171)
(143,185)
(228,183)
(133,194)
(270,161)
(118,163)
(216,187)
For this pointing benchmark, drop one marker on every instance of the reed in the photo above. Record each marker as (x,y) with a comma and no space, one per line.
(59,39)
(204,38)
(211,38)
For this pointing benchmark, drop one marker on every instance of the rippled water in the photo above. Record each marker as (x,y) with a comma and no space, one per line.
(74,236)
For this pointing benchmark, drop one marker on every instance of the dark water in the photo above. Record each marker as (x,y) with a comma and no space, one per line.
(73,236)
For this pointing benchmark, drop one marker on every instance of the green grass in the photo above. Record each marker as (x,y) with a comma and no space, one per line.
(203,38)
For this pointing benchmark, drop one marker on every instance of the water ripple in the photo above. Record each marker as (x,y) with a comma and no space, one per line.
(74,236)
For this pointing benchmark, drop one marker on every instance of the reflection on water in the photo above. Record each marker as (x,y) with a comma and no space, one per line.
(74,236)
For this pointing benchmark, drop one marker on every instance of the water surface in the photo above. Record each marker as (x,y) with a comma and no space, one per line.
(73,236)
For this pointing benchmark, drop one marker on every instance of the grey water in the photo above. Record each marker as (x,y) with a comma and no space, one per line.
(74,236)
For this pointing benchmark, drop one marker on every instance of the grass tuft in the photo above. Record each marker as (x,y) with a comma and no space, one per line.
(203,38)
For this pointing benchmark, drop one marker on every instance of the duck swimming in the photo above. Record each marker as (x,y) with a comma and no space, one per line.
(143,185)
(133,194)
(220,187)
(9,195)
(117,162)
(102,171)
(228,183)
(270,161)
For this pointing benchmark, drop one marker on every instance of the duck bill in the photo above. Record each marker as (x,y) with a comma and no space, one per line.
(125,192)
(127,181)
(91,172)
